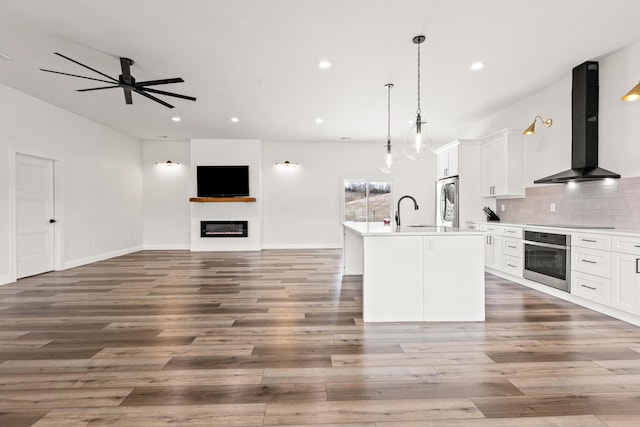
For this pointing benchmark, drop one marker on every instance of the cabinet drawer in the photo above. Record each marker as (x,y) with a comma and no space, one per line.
(627,245)
(512,247)
(594,288)
(591,261)
(593,241)
(512,265)
(493,229)
(515,232)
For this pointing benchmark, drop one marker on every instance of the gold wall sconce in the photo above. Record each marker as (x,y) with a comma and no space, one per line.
(168,163)
(532,127)
(633,94)
(287,163)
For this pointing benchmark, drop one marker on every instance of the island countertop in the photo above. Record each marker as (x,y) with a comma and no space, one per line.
(380,229)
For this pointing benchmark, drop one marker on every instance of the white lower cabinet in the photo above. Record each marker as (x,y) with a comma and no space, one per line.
(493,251)
(591,287)
(503,249)
(512,265)
(625,282)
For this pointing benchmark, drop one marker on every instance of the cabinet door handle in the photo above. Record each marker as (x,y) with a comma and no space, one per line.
(589,240)
(588,261)
(511,265)
(512,247)
(636,246)
(588,287)
(637,267)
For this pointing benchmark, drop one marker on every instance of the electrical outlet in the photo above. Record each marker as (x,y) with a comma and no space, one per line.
(552,207)
(501,208)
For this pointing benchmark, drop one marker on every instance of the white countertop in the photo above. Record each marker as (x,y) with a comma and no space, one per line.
(568,229)
(380,229)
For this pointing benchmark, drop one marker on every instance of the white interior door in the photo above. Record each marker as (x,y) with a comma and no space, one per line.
(34,215)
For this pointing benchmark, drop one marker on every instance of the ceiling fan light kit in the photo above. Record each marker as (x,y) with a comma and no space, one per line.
(127,82)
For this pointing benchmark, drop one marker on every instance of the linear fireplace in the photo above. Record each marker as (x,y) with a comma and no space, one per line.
(224,229)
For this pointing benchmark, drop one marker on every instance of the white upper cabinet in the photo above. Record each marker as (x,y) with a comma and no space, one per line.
(502,161)
(447,159)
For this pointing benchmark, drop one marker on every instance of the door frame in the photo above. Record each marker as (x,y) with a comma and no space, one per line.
(58,209)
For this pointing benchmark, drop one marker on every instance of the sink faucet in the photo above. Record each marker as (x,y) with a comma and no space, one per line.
(415,207)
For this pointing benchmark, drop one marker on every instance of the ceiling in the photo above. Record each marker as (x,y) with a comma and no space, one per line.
(257,60)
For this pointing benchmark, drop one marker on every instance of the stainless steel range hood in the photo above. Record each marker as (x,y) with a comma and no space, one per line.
(584,129)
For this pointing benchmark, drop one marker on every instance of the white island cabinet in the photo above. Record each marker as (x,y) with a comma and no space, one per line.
(416,273)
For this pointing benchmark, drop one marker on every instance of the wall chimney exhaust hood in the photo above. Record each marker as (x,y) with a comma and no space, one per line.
(584,129)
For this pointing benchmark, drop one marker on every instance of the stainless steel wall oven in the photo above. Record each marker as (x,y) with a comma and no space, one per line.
(547,258)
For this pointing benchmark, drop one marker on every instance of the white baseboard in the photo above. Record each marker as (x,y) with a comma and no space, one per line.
(100,257)
(303,246)
(4,280)
(600,308)
(167,247)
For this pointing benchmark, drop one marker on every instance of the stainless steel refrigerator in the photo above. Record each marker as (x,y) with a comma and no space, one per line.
(447,207)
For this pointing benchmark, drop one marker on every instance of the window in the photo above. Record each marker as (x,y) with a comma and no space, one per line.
(367,200)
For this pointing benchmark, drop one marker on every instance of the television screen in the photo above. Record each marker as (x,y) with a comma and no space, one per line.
(223,181)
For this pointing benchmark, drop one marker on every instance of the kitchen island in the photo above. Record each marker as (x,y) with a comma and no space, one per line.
(416,273)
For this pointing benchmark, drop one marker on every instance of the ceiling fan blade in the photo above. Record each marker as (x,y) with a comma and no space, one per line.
(125,65)
(162,92)
(97,88)
(159,82)
(85,66)
(160,101)
(127,96)
(75,75)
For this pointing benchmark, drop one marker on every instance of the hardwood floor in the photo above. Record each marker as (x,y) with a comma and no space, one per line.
(276,338)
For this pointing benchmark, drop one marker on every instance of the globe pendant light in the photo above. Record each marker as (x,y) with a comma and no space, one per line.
(389,159)
(415,144)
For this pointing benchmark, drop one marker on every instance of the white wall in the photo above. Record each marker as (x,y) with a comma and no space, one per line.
(101,178)
(167,212)
(227,152)
(302,205)
(549,150)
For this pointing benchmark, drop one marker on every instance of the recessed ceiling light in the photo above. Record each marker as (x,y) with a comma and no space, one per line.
(324,64)
(319,120)
(235,119)
(5,56)
(477,66)
(176,119)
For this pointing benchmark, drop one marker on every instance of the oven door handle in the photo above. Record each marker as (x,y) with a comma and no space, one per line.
(545,245)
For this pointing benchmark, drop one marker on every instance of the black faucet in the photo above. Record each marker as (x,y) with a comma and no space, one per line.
(415,207)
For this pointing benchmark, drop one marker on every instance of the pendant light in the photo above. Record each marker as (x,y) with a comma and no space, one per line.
(389,159)
(415,144)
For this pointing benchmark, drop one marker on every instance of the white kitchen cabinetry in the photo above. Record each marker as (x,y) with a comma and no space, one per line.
(503,248)
(447,160)
(502,161)
(591,267)
(625,274)
(460,157)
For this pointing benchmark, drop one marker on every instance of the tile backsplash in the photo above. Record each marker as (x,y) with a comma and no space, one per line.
(608,203)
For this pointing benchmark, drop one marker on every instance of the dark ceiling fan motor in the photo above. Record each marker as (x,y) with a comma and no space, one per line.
(127,82)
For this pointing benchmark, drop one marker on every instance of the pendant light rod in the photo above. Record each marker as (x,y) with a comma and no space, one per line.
(389,86)
(419,40)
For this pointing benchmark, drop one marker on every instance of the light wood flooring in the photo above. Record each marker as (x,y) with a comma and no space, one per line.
(173,338)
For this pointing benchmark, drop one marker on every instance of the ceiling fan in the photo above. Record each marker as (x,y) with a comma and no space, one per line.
(127,82)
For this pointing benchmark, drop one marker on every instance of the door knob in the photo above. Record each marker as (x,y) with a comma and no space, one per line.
(51,221)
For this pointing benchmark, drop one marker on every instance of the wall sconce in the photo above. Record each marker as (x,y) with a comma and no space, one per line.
(287,163)
(532,127)
(633,94)
(168,163)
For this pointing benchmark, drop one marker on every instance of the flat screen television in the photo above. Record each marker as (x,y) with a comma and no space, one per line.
(223,181)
